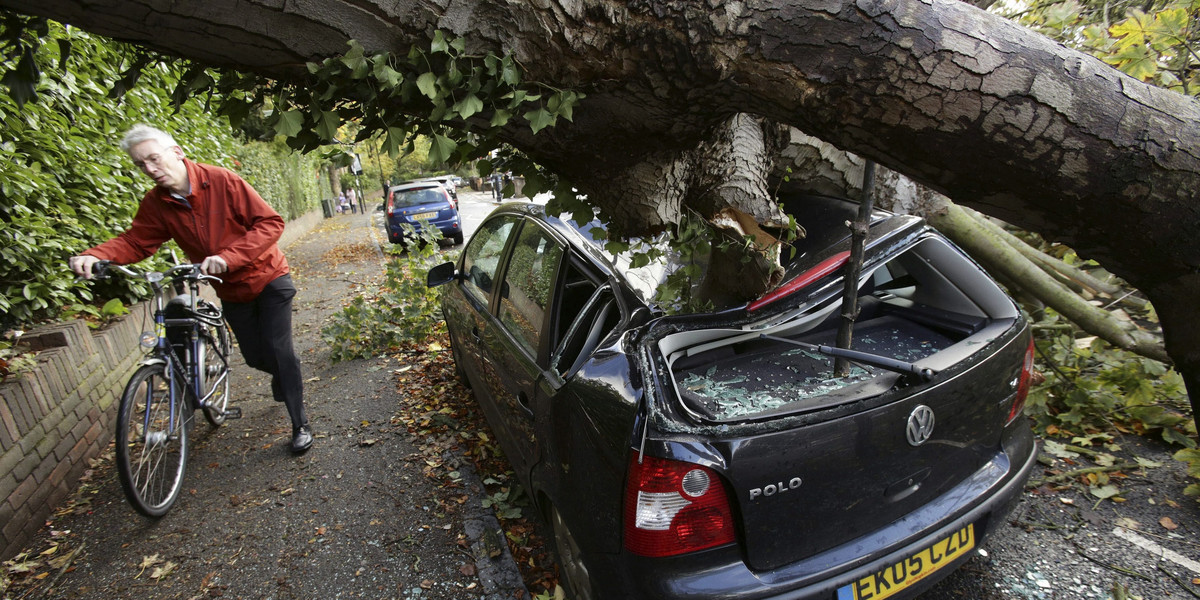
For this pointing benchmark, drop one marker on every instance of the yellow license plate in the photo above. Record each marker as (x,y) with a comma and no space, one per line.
(906,573)
(419,216)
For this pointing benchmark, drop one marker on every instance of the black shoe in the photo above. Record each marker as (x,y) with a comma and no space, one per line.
(302,439)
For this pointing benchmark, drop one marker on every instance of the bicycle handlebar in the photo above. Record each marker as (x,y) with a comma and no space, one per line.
(185,271)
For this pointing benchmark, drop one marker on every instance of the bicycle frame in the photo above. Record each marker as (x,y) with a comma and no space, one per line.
(188,368)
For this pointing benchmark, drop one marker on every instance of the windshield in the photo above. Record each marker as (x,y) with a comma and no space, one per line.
(417,197)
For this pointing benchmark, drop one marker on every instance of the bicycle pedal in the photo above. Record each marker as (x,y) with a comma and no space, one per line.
(233,413)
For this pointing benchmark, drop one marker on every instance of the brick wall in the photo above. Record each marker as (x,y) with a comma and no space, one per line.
(63,413)
(57,417)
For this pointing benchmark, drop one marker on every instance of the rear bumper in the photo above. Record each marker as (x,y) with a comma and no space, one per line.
(982,500)
(449,227)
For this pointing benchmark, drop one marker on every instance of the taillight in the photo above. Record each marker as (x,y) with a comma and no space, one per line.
(674,507)
(1023,384)
(822,269)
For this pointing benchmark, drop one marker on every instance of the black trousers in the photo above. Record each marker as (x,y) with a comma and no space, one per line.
(263,328)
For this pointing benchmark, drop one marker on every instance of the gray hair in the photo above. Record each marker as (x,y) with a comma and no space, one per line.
(141,132)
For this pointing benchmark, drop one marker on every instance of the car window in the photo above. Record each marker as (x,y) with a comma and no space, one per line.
(586,312)
(527,285)
(481,258)
(418,197)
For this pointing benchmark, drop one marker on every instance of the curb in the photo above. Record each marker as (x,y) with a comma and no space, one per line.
(494,564)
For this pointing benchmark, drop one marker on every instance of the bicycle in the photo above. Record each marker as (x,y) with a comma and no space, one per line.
(186,369)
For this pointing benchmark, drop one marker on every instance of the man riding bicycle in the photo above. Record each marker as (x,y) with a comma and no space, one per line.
(220,222)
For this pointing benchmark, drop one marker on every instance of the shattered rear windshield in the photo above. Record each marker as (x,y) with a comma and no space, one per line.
(734,381)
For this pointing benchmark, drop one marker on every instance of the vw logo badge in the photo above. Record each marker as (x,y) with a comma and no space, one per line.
(920,425)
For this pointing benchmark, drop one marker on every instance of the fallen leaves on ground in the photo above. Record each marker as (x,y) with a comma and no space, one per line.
(444,421)
(348,253)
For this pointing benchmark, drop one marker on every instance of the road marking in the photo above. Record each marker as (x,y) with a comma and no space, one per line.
(1157,550)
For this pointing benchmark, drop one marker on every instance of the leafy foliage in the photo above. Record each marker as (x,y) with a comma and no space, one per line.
(439,91)
(289,181)
(404,311)
(1092,387)
(66,186)
(14,360)
(1157,41)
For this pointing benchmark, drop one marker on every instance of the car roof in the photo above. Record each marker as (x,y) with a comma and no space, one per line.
(415,185)
(437,178)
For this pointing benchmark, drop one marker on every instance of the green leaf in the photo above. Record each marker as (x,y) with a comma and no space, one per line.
(468,106)
(386,74)
(1136,61)
(1058,449)
(290,123)
(500,117)
(539,119)
(1104,492)
(355,61)
(113,308)
(439,42)
(1172,22)
(328,124)
(509,72)
(392,141)
(440,148)
(1146,463)
(1132,30)
(427,83)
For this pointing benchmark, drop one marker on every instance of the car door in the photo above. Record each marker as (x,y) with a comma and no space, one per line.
(468,310)
(517,346)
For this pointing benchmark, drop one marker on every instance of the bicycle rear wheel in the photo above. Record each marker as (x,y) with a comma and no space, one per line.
(151,447)
(214,373)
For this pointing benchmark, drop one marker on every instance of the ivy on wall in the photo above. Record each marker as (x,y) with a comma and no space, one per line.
(64,183)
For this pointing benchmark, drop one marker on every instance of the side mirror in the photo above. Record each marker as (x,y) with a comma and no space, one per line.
(443,273)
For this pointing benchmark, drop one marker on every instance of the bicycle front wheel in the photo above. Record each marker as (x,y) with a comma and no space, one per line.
(214,374)
(151,443)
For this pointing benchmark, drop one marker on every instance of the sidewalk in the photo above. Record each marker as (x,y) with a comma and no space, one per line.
(353,518)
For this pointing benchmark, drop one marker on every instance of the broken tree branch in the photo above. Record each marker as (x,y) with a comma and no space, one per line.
(1056,266)
(990,249)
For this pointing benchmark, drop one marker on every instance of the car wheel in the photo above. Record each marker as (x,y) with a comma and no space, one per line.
(572,570)
(458,239)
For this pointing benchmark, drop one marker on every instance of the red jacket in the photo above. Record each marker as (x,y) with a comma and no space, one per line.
(223,216)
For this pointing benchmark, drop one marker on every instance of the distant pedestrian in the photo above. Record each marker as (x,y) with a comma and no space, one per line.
(352,197)
(343,203)
(497,186)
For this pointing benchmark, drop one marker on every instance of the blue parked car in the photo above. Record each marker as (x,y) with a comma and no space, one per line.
(415,204)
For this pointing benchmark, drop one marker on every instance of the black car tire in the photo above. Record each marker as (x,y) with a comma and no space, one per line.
(458,239)
(572,570)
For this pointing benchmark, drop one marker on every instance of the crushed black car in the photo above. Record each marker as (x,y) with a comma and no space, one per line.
(716,455)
